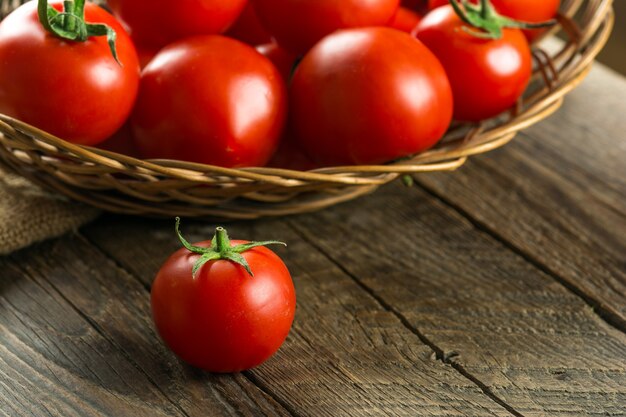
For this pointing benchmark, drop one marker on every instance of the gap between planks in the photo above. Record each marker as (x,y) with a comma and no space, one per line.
(440,354)
(605,315)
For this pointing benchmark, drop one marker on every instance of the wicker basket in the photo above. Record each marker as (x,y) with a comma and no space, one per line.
(122,184)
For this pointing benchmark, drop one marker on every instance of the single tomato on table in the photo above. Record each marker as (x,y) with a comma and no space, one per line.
(297,25)
(76,79)
(368,96)
(223,306)
(156,23)
(211,100)
(488,71)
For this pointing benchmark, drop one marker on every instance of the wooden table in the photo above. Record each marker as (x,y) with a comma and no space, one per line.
(499,290)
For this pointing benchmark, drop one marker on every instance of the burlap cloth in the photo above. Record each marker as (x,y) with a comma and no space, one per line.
(29,215)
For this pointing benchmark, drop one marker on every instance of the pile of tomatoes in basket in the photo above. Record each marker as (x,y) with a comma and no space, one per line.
(289,83)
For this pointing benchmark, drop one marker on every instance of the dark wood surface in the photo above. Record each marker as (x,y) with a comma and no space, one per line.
(496,290)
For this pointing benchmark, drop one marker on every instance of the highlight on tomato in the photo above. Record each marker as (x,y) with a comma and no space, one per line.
(297,25)
(211,100)
(223,306)
(368,96)
(67,68)
(486,56)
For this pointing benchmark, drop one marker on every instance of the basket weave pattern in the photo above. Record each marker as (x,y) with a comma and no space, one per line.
(122,184)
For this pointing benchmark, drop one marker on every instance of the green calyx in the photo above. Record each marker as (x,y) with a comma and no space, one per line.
(486,23)
(221,249)
(70,24)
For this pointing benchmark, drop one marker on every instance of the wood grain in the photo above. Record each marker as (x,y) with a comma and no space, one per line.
(557,195)
(485,309)
(76,339)
(346,356)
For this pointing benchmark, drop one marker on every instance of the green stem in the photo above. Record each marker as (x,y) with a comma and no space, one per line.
(484,9)
(70,24)
(42,12)
(483,21)
(79,7)
(221,249)
(222,241)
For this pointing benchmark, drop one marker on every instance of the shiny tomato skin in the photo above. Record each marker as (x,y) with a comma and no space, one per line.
(211,100)
(224,320)
(297,25)
(156,23)
(533,11)
(249,29)
(369,96)
(405,20)
(487,76)
(74,90)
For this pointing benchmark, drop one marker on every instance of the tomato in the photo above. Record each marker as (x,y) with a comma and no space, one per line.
(73,90)
(248,28)
(220,318)
(532,11)
(297,25)
(369,96)
(210,99)
(488,76)
(156,23)
(282,59)
(405,20)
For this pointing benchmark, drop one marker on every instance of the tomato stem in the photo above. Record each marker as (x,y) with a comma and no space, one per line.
(221,249)
(486,23)
(484,8)
(222,242)
(70,24)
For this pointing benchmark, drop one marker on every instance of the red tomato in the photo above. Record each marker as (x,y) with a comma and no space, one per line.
(222,319)
(488,76)
(405,20)
(297,25)
(74,90)
(531,11)
(156,23)
(369,96)
(282,59)
(248,28)
(212,100)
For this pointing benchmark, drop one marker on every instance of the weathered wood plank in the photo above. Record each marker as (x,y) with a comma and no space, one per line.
(491,314)
(76,339)
(48,354)
(346,356)
(558,193)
